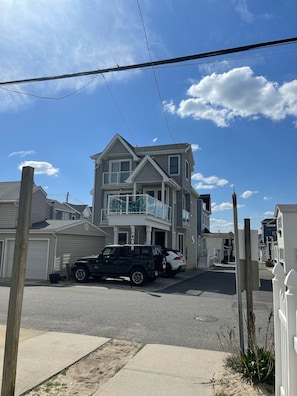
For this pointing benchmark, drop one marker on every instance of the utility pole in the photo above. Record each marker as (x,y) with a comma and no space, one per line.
(238,275)
(17,284)
(249,285)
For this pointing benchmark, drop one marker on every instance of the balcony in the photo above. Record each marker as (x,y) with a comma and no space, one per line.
(186,217)
(115,177)
(139,204)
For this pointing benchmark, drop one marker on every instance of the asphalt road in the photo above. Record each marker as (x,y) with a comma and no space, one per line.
(195,309)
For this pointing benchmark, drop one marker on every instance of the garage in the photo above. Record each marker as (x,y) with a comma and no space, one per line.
(37,259)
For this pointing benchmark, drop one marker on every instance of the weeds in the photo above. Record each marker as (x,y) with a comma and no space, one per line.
(257,362)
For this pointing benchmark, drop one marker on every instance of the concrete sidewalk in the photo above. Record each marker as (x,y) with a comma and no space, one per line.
(165,370)
(155,369)
(41,355)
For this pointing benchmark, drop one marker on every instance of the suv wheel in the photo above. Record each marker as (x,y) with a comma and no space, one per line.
(81,274)
(138,277)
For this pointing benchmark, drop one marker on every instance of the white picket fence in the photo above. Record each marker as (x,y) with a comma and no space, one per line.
(285,330)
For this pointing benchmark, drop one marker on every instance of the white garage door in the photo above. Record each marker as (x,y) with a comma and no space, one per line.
(37,259)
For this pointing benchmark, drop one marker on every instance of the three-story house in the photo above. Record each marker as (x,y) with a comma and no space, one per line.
(144,195)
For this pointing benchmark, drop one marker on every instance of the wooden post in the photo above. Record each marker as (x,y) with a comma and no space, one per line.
(238,275)
(249,286)
(17,284)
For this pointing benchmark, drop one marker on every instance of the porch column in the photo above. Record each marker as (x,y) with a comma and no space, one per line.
(148,235)
(132,236)
(115,235)
(163,191)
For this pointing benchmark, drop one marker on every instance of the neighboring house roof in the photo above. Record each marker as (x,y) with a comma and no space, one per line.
(60,225)
(162,172)
(60,206)
(10,191)
(79,208)
(285,208)
(117,137)
(169,148)
(222,235)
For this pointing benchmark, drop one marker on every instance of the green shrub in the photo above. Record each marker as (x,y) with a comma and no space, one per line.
(257,365)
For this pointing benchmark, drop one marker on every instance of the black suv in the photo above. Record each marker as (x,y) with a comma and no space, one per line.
(139,262)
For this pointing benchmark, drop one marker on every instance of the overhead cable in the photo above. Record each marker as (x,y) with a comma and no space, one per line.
(118,68)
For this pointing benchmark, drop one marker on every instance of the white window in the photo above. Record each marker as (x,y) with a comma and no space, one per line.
(173,164)
(119,171)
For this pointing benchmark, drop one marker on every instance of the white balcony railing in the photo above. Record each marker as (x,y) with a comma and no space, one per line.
(142,204)
(115,177)
(186,217)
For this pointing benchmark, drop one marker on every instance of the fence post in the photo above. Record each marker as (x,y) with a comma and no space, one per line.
(291,293)
(278,287)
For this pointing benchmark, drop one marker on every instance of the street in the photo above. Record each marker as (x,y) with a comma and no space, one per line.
(197,309)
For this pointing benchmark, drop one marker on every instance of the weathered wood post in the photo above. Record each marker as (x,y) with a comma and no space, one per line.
(17,284)
(249,286)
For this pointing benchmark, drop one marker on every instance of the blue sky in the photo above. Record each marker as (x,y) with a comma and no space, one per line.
(238,111)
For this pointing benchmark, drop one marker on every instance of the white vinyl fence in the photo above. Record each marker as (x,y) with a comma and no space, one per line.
(285,330)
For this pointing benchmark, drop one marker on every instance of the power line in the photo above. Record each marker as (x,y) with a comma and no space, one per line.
(154,73)
(118,68)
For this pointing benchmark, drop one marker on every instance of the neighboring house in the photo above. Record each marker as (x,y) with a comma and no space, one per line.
(286,224)
(267,239)
(52,243)
(144,195)
(219,248)
(9,204)
(203,224)
(81,211)
(61,211)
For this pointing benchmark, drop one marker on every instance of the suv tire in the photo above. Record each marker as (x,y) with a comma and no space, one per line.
(81,274)
(138,277)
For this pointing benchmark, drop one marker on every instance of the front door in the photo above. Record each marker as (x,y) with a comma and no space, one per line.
(160,238)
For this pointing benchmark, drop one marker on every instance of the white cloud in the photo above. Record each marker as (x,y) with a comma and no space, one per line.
(208,183)
(43,38)
(215,98)
(155,139)
(221,225)
(40,168)
(195,147)
(223,206)
(248,194)
(267,198)
(242,8)
(269,214)
(169,106)
(22,153)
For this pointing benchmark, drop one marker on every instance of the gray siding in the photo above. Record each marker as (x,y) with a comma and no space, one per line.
(39,207)
(118,149)
(70,249)
(8,215)
(148,174)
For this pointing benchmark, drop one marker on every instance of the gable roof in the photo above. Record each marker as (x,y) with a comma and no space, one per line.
(285,208)
(148,159)
(58,206)
(10,191)
(98,157)
(60,225)
(78,208)
(169,149)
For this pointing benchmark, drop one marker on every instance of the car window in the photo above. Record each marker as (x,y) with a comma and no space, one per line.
(108,251)
(124,251)
(145,252)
